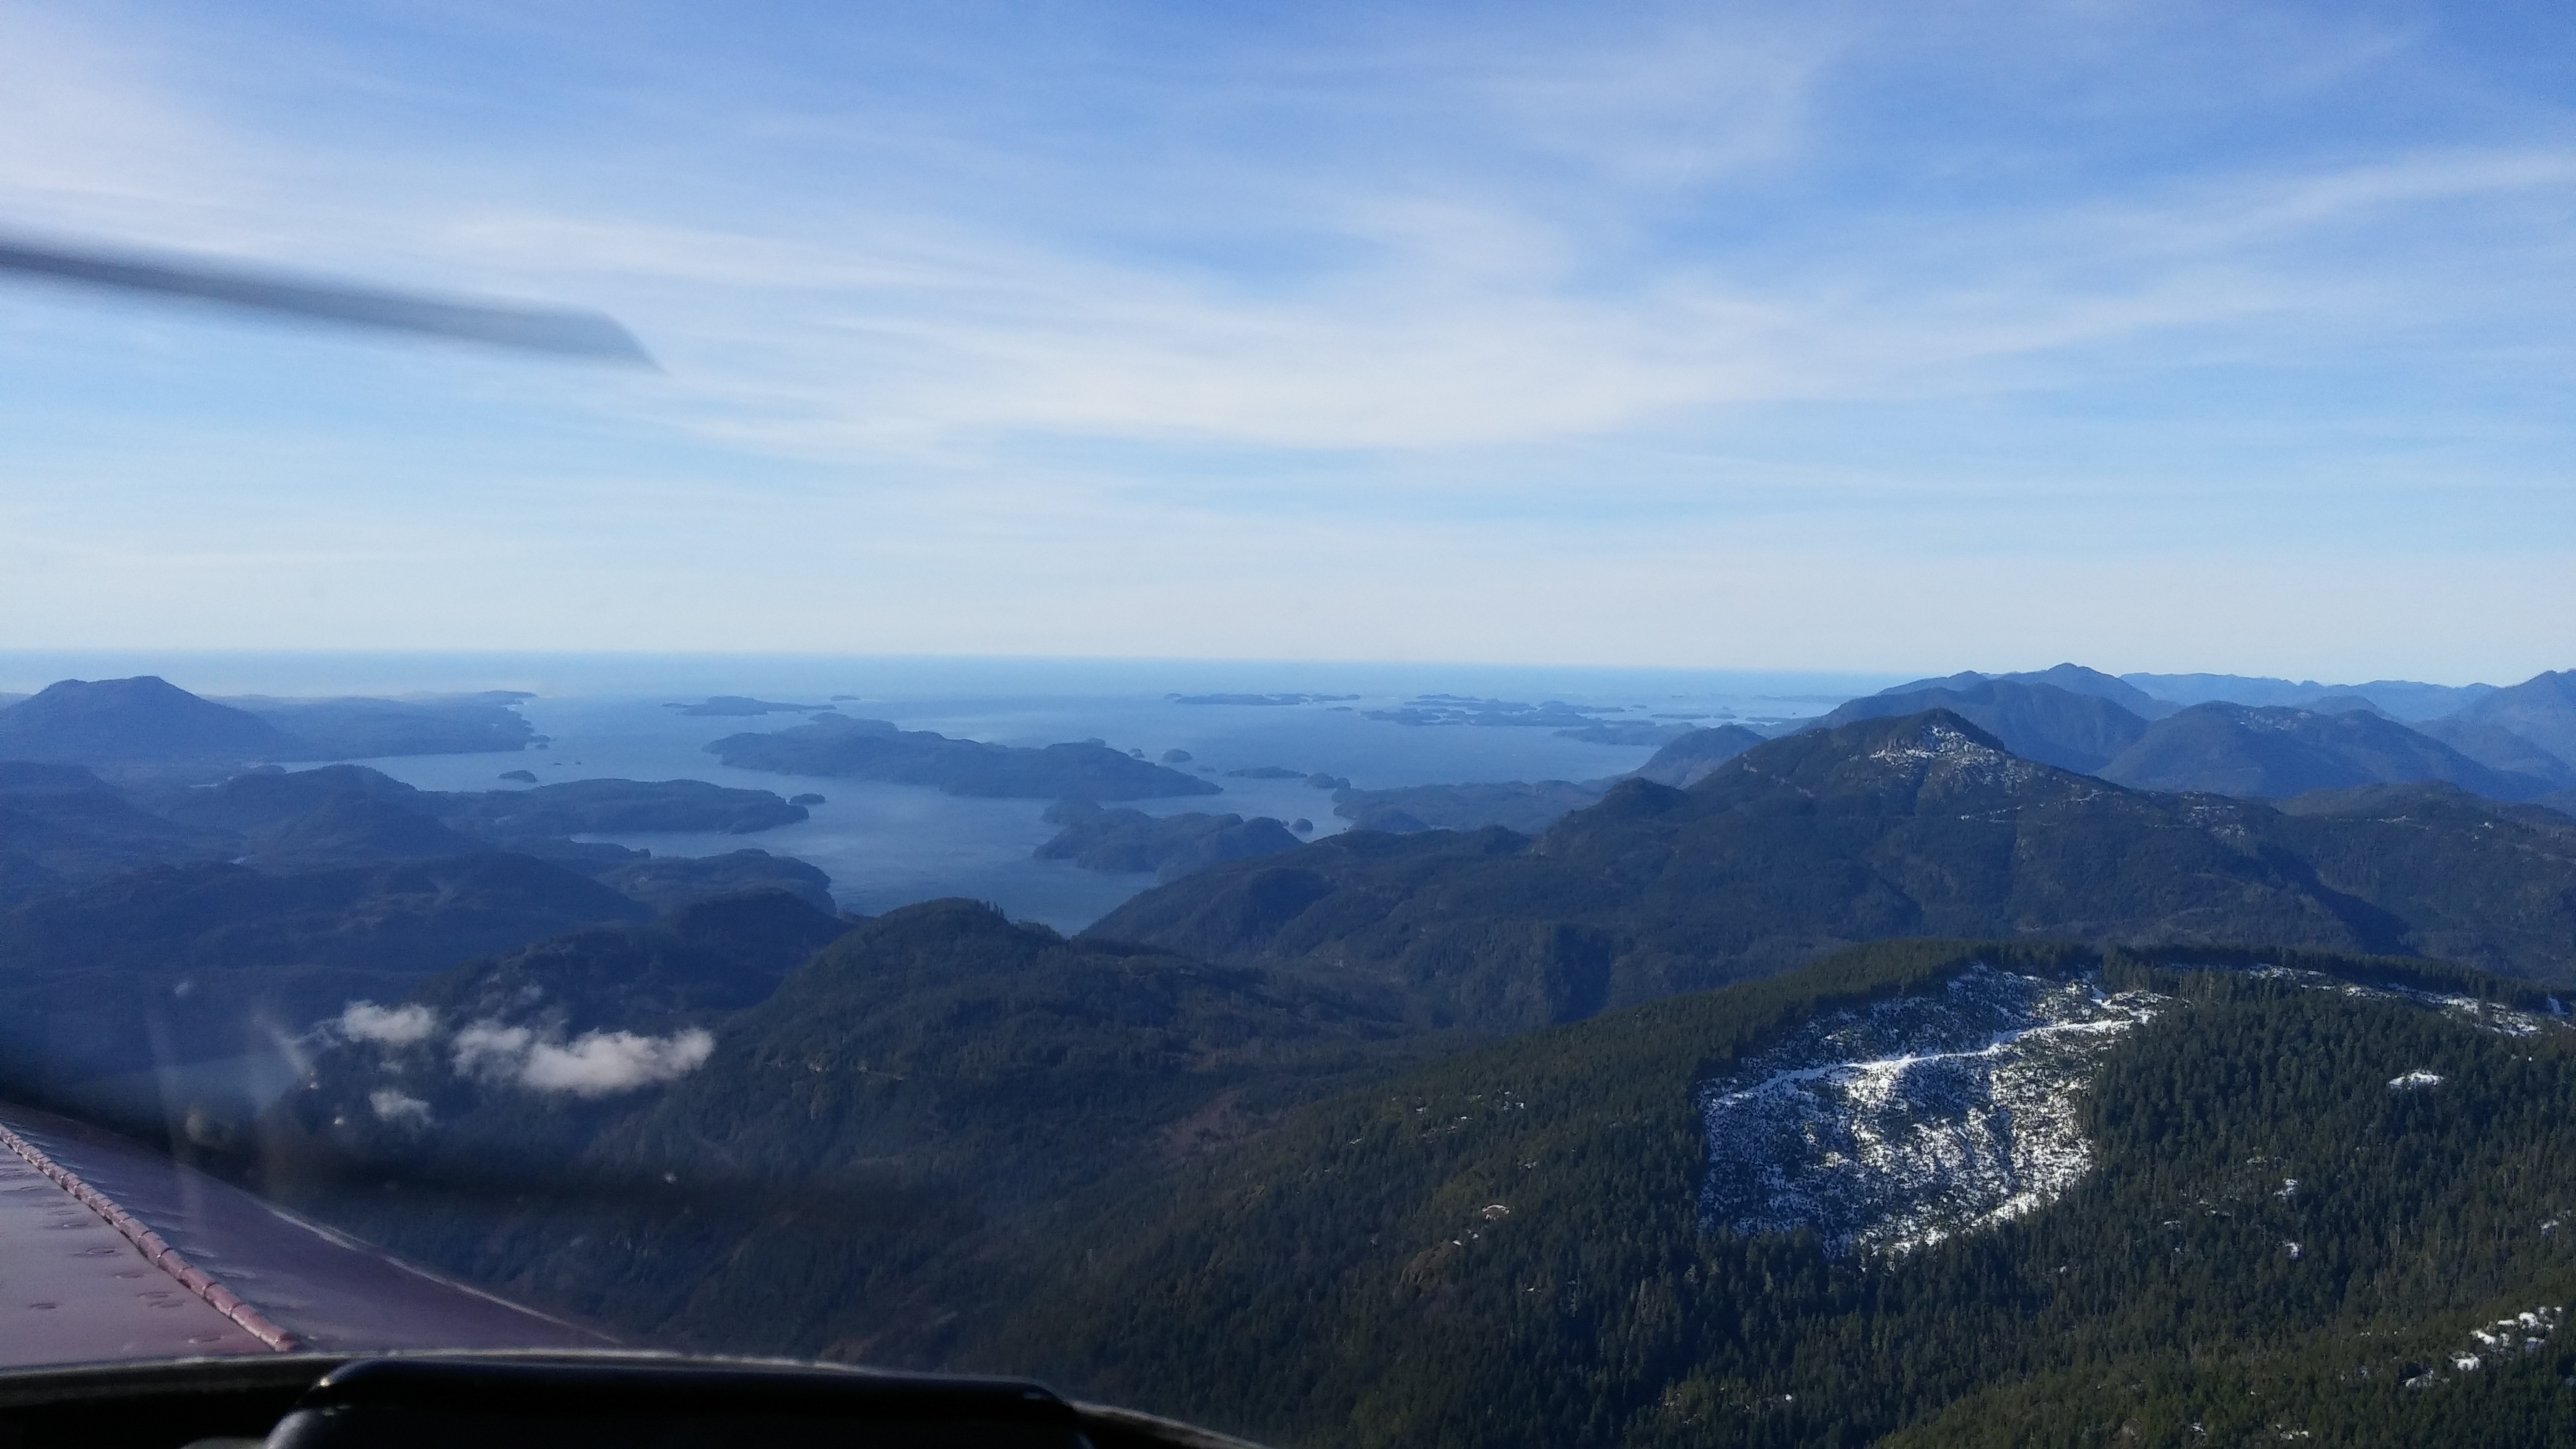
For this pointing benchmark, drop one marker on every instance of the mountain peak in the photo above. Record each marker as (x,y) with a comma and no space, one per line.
(1942,754)
(102,721)
(2541,709)
(1687,759)
(1939,735)
(2034,718)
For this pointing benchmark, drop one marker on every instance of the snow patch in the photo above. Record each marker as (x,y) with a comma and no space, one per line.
(1898,1125)
(2483,1015)
(1941,755)
(2415,1080)
(2529,1331)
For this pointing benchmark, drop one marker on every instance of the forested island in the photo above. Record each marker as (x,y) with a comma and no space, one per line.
(867,749)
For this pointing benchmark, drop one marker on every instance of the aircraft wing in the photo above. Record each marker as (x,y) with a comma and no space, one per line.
(110,1251)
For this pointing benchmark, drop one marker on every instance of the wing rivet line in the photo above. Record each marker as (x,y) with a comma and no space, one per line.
(154,1248)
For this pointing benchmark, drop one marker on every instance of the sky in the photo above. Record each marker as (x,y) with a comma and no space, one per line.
(1895,337)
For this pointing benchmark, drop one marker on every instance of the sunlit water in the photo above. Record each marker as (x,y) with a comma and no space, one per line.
(887,845)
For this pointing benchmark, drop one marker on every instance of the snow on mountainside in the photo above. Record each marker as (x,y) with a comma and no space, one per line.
(2467,1010)
(1895,1126)
(1941,757)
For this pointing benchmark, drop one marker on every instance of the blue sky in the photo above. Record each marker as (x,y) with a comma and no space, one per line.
(1895,337)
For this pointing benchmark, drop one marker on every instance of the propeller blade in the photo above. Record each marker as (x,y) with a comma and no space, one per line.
(566,332)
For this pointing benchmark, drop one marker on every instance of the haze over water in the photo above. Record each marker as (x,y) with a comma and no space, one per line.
(609,716)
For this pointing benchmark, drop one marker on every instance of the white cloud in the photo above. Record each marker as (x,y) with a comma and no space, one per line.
(398,1108)
(490,1050)
(594,1064)
(387,1025)
(601,1063)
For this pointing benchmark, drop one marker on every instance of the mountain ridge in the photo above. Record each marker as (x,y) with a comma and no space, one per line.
(2541,709)
(2032,717)
(2268,752)
(1814,841)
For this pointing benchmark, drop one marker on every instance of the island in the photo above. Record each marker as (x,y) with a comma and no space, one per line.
(360,728)
(582,807)
(149,730)
(1124,841)
(736,705)
(1626,732)
(1459,709)
(1272,700)
(869,749)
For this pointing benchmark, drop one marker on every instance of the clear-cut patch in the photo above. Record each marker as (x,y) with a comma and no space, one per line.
(1892,1127)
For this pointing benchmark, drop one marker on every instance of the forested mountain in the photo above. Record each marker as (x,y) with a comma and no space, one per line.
(348,828)
(867,1161)
(1922,825)
(2081,719)
(2033,720)
(346,728)
(504,1064)
(188,963)
(2071,678)
(175,926)
(2262,1191)
(148,722)
(873,749)
(127,720)
(1682,762)
(2498,748)
(1171,846)
(2404,699)
(2541,709)
(2268,753)
(2396,697)
(261,799)
(2077,679)
(667,883)
(1528,806)
(62,826)
(2306,1201)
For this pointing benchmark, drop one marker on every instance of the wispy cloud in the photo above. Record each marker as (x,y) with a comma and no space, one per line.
(1508,291)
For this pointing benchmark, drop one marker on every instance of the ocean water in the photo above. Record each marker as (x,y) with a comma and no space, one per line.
(610,716)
